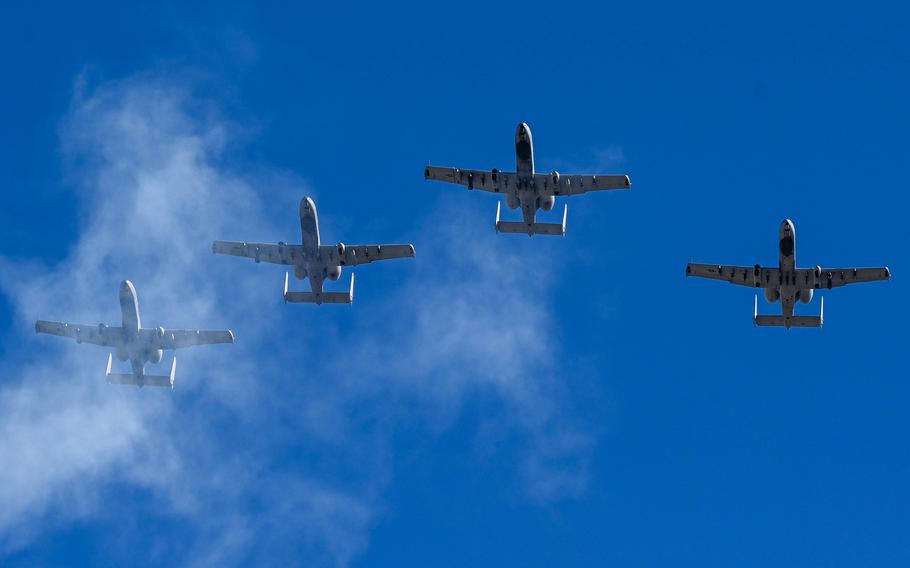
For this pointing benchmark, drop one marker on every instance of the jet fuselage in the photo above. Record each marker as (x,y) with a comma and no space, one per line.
(525,194)
(134,347)
(788,290)
(316,263)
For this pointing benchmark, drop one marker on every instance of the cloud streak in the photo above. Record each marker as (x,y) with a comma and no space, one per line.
(212,455)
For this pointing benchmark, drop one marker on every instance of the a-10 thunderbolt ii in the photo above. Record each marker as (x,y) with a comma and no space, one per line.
(526,188)
(788,283)
(130,341)
(313,260)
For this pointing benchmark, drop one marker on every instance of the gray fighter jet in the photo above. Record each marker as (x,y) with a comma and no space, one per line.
(788,283)
(313,260)
(132,341)
(526,189)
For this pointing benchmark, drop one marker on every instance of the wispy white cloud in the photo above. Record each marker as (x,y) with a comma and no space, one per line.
(473,321)
(600,159)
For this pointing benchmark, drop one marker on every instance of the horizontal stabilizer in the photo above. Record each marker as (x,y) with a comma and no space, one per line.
(140,380)
(533,228)
(323,298)
(794,321)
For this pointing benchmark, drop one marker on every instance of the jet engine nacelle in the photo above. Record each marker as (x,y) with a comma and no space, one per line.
(512,201)
(547,203)
(772,294)
(805,296)
(341,249)
(155,356)
(334,273)
(554,177)
(300,272)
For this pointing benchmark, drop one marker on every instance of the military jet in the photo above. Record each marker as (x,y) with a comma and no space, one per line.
(788,283)
(527,189)
(313,260)
(132,341)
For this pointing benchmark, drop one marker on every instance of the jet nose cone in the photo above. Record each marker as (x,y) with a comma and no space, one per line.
(307,204)
(523,130)
(787,226)
(127,289)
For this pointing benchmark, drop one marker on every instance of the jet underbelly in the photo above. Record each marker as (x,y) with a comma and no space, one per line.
(787,245)
(524,150)
(309,225)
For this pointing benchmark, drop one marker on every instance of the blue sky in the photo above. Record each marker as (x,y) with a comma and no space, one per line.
(499,400)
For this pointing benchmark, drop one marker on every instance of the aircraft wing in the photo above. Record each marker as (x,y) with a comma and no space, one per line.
(95,334)
(751,276)
(493,181)
(569,184)
(819,277)
(261,252)
(180,338)
(352,255)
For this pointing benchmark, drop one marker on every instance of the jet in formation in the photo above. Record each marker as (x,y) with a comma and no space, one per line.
(130,341)
(527,189)
(312,260)
(788,283)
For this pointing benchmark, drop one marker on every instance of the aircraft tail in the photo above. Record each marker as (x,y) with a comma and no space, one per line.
(323,298)
(143,380)
(533,229)
(795,321)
